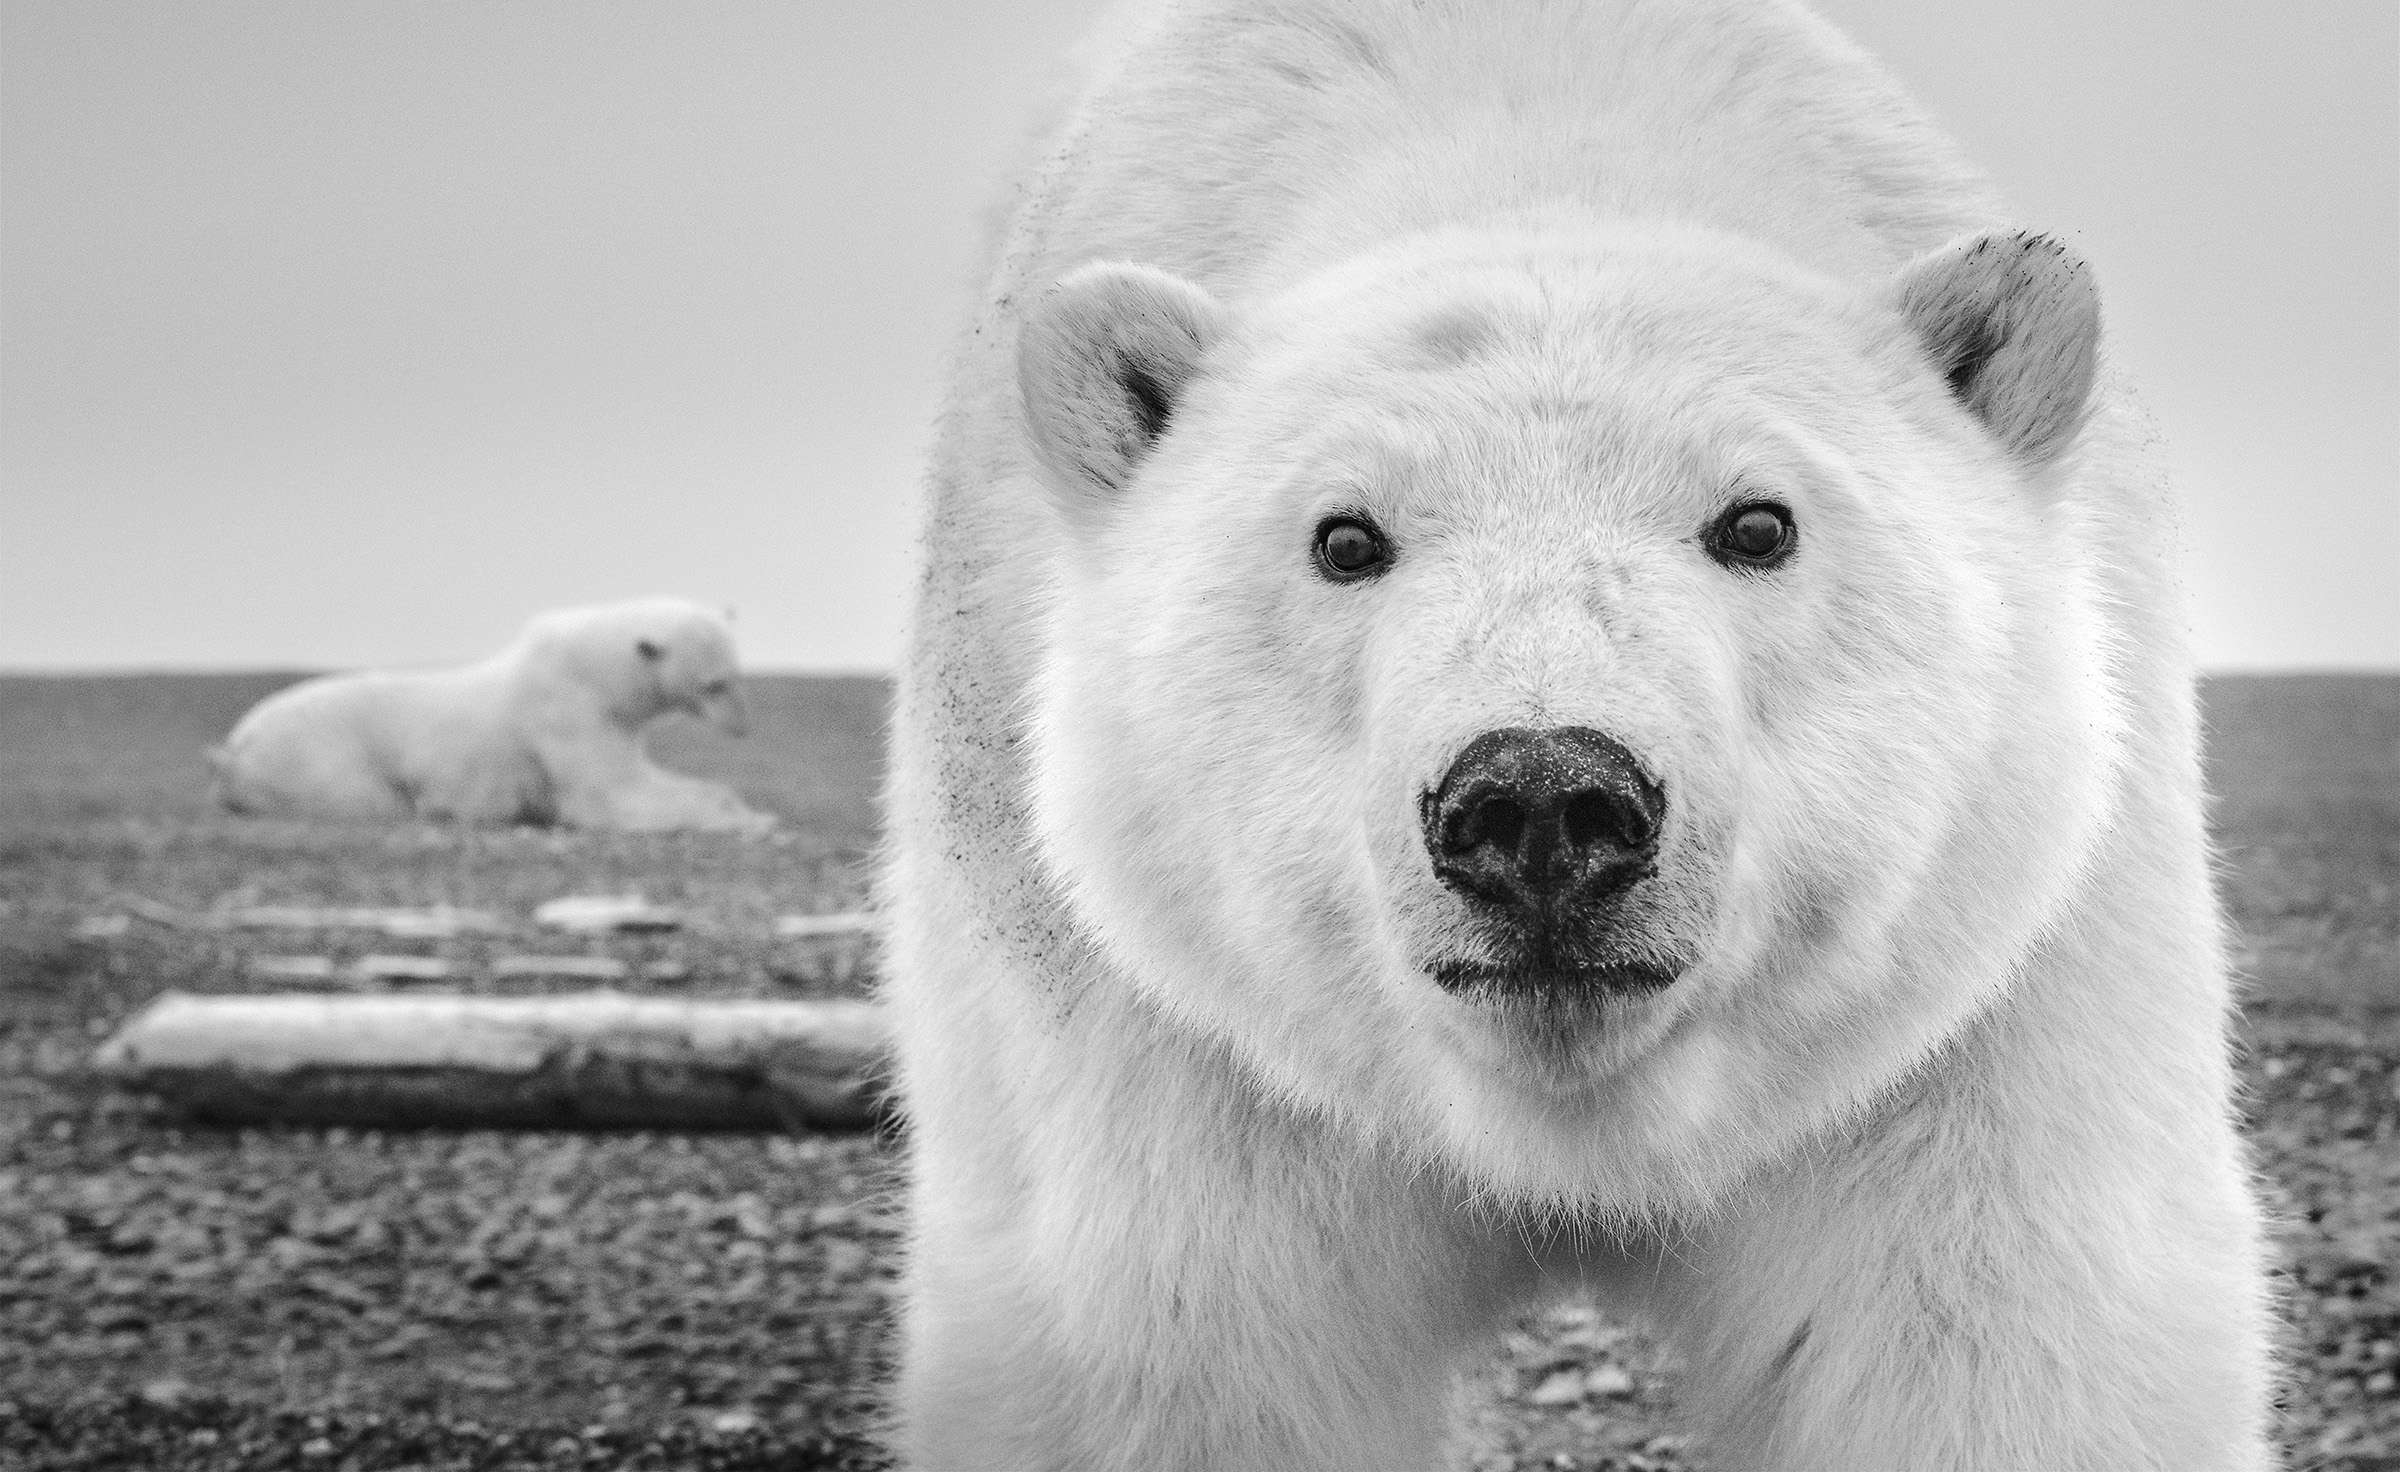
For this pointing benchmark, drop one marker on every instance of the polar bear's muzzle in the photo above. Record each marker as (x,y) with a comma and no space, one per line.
(1543,833)
(726,710)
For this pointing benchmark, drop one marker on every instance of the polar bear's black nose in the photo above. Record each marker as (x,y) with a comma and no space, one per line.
(1528,818)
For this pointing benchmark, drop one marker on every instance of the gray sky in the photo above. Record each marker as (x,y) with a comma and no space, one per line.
(349,334)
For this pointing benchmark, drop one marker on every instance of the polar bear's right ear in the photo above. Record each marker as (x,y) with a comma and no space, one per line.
(2012,320)
(1103,361)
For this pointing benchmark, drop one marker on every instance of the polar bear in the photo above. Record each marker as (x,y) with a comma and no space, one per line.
(1549,663)
(546,731)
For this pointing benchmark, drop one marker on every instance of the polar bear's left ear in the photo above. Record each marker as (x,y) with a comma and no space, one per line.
(1103,362)
(2012,320)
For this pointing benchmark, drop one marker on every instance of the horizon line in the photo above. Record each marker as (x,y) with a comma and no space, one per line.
(198,671)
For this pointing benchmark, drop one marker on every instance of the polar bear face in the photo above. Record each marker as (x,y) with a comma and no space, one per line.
(1584,706)
(691,665)
(642,658)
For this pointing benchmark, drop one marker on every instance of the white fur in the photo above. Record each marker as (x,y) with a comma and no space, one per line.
(546,731)
(1926,1156)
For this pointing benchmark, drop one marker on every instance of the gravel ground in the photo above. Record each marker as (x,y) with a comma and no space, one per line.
(2323,1112)
(178,1297)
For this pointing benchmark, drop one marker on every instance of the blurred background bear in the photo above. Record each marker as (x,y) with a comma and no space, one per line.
(549,730)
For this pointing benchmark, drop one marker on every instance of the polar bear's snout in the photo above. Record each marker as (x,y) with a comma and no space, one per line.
(1525,819)
(1541,831)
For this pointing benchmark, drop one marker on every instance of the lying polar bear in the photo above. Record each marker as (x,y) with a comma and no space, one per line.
(546,731)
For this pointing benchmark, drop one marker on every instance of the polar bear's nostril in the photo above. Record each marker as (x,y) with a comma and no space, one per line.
(1497,820)
(1526,818)
(1597,815)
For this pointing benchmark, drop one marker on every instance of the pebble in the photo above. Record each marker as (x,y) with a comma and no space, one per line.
(1561,1388)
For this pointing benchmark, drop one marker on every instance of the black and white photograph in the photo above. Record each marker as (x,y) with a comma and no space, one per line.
(1199,736)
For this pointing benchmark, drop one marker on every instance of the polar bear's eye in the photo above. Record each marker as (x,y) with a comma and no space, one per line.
(1753,534)
(1350,548)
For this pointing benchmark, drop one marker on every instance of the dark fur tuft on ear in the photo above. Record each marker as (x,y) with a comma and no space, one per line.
(1103,361)
(649,649)
(2012,323)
